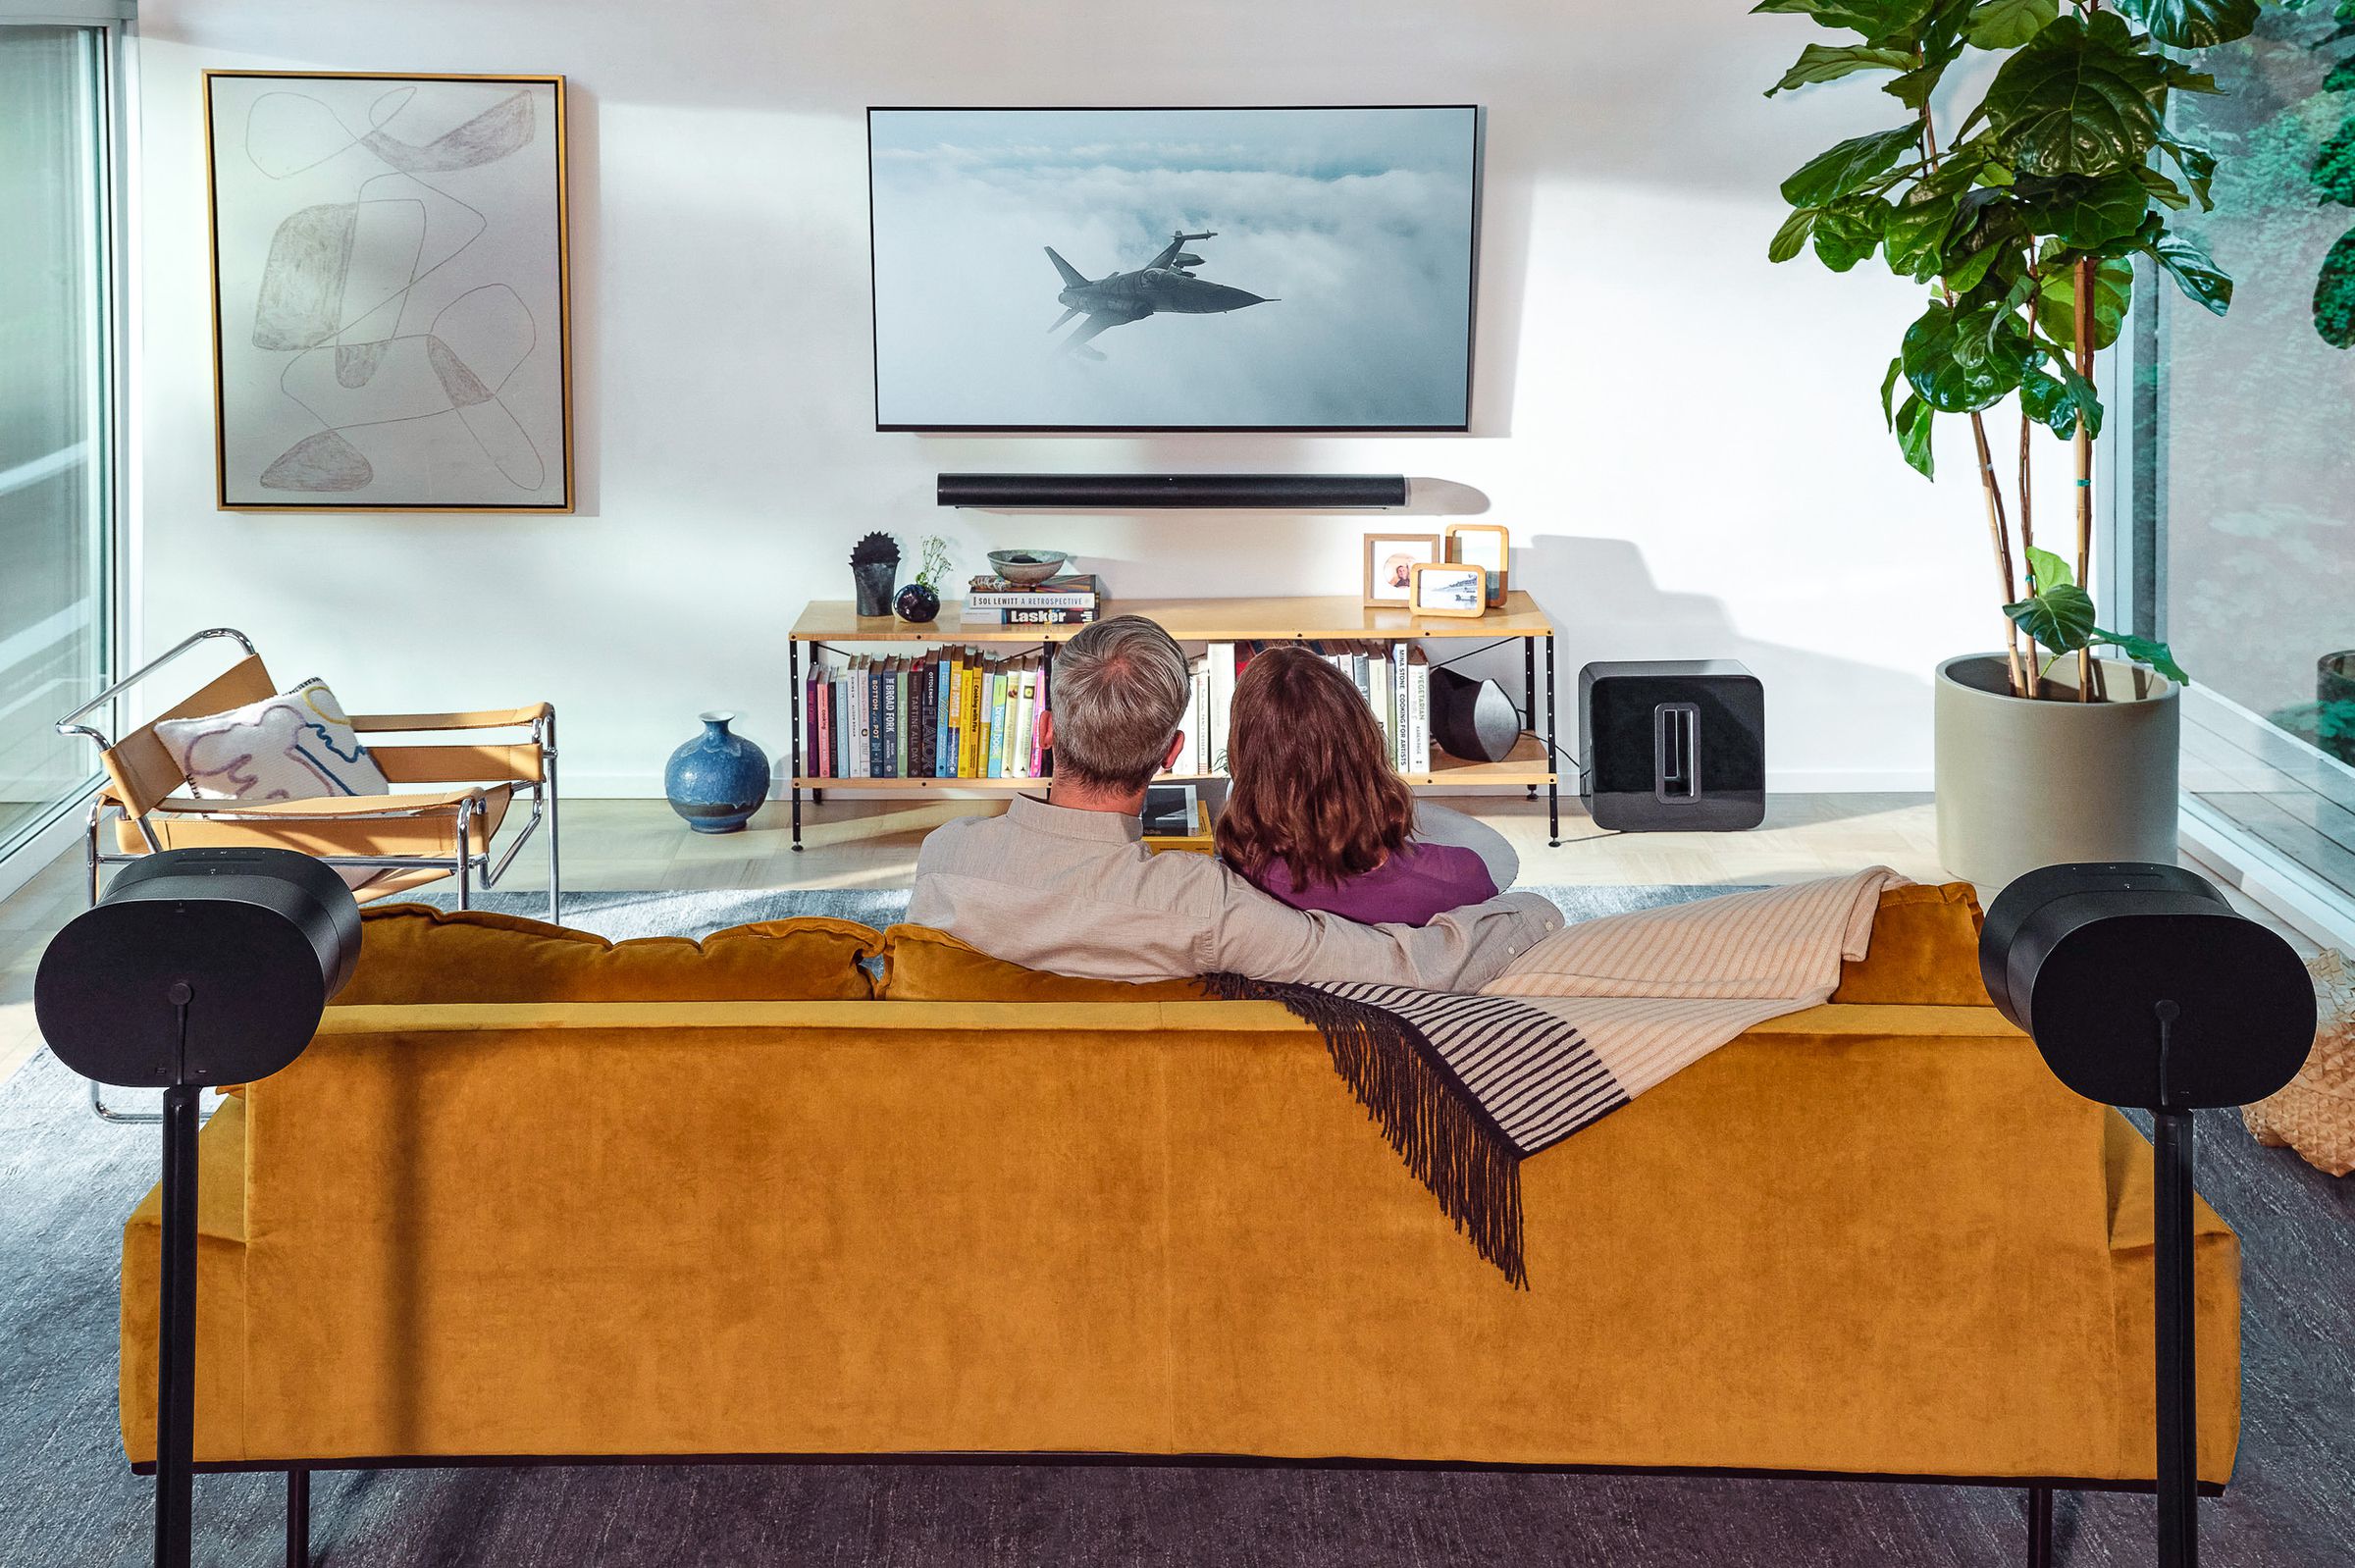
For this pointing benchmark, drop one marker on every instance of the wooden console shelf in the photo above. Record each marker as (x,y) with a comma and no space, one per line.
(1189,620)
(1327,618)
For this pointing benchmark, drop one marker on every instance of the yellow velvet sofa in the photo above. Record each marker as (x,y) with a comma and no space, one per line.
(530,1195)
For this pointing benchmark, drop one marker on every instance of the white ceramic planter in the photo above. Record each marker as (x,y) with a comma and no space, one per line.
(2023,784)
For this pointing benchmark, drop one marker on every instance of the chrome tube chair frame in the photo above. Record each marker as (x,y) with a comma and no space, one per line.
(470,814)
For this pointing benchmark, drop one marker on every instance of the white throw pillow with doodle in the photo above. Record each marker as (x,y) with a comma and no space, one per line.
(296,746)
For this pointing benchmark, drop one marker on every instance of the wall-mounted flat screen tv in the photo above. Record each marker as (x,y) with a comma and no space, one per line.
(1173,268)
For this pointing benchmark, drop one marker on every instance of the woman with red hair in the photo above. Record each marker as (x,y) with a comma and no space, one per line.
(1317,815)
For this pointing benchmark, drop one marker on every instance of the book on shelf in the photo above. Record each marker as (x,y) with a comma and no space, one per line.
(1070,600)
(1038,731)
(993,729)
(1220,657)
(1029,617)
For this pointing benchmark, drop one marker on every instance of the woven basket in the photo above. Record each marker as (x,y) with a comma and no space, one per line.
(2314,1114)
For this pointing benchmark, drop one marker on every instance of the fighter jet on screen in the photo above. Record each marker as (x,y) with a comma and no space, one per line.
(1163,286)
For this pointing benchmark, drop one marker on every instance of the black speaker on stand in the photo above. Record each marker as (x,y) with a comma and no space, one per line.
(2142,987)
(197,969)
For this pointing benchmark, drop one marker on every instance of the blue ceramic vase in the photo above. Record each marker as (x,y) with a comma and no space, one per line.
(718,780)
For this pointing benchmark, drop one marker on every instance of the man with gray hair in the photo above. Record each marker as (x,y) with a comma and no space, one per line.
(1066,884)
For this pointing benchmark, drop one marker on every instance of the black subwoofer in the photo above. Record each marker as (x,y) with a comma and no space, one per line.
(1672,746)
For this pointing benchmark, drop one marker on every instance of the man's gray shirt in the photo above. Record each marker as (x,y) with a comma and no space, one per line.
(1078,893)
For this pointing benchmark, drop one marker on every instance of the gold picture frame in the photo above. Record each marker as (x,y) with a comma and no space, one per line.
(1487,546)
(469,353)
(1390,559)
(1457,590)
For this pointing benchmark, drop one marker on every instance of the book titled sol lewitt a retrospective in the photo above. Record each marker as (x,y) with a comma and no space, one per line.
(1073,600)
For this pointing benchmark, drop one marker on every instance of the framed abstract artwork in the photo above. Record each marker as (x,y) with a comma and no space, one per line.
(1164,269)
(391,322)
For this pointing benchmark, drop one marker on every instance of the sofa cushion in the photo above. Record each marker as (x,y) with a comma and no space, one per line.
(922,964)
(416,953)
(1925,950)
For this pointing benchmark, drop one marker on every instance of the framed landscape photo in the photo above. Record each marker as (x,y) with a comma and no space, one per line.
(1487,546)
(1391,562)
(1449,588)
(1305,269)
(391,313)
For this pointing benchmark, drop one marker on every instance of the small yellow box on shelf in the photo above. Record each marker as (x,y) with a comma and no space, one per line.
(1199,842)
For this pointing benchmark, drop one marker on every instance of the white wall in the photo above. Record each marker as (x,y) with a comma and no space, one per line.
(1684,439)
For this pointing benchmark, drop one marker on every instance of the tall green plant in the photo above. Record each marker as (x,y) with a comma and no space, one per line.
(2024,222)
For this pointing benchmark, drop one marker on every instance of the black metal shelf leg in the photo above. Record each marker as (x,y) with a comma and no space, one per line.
(1528,691)
(793,676)
(2040,1527)
(1554,786)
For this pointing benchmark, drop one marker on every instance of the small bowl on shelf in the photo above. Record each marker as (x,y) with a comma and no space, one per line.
(1027,565)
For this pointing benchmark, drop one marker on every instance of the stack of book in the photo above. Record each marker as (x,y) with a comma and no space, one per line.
(950,713)
(1070,600)
(1394,677)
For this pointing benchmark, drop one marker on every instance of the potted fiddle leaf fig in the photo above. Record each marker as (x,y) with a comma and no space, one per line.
(2022,213)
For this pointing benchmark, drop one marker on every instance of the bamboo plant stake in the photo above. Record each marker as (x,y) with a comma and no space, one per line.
(2027,542)
(2084,445)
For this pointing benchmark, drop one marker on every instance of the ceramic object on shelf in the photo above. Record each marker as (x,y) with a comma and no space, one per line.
(718,779)
(1026,566)
(917,604)
(874,580)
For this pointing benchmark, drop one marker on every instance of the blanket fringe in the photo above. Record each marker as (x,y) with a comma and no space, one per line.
(1446,1139)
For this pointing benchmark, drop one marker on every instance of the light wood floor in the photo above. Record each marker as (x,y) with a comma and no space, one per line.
(630,845)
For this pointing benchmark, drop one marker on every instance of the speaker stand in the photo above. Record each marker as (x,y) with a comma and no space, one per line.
(176,1358)
(2177,1368)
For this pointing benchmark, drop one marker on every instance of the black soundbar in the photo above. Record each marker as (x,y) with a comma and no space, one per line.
(1125,492)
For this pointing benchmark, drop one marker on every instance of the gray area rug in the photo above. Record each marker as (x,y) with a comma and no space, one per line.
(67,1182)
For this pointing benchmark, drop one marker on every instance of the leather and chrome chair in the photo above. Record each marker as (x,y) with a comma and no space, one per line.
(459,786)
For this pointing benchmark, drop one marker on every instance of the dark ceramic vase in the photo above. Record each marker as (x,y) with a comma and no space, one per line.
(917,604)
(873,581)
(718,780)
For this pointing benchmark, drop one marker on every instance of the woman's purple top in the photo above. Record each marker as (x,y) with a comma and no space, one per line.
(1418,882)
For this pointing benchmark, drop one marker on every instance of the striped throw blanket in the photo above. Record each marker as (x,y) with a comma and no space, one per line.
(1467,1086)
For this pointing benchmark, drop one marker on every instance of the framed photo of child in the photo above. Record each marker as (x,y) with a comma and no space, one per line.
(1391,562)
(1486,545)
(1447,588)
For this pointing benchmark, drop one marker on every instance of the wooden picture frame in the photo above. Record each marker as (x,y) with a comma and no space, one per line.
(391,291)
(1487,546)
(1390,560)
(1449,589)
